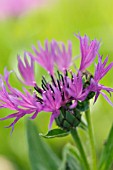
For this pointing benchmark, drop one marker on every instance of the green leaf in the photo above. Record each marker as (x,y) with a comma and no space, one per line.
(71,159)
(106,159)
(55,133)
(41,156)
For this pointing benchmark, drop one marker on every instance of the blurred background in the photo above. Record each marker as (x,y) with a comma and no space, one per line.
(22,23)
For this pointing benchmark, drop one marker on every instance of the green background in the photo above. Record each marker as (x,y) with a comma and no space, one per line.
(59,20)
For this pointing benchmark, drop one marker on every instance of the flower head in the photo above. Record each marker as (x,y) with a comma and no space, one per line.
(66,94)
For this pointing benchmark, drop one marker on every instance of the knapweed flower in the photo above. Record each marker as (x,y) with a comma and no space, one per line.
(66,94)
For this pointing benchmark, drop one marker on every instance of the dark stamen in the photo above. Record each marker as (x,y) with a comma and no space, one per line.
(44,87)
(66,82)
(53,81)
(51,88)
(38,89)
(59,85)
(62,80)
(59,75)
(44,79)
(66,73)
(39,99)
(63,96)
(53,97)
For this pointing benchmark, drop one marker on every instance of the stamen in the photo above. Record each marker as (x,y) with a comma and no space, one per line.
(45,85)
(66,73)
(39,99)
(71,76)
(62,79)
(63,96)
(44,79)
(53,81)
(59,75)
(38,89)
(51,88)
(58,85)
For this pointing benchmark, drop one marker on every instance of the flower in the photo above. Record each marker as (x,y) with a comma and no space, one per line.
(66,94)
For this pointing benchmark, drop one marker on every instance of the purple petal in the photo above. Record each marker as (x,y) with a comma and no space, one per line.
(107,99)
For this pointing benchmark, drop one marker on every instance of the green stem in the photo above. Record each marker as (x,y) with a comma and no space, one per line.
(91,137)
(80,148)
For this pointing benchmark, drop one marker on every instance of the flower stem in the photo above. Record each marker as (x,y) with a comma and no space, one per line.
(91,137)
(77,140)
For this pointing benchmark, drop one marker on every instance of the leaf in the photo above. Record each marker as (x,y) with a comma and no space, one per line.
(106,159)
(71,159)
(41,156)
(55,133)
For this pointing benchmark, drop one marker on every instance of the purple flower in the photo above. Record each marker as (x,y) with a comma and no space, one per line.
(65,92)
(100,71)
(26,70)
(88,50)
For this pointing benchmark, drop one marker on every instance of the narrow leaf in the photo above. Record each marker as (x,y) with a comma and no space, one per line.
(55,133)
(106,159)
(71,159)
(41,156)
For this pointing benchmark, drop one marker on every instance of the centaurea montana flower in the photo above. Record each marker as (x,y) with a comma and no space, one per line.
(67,94)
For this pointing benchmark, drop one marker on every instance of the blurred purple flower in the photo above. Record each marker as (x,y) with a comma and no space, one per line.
(14,8)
